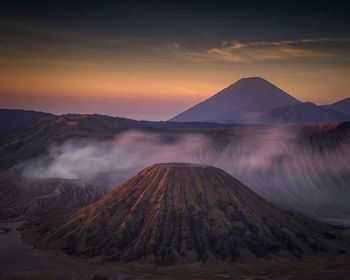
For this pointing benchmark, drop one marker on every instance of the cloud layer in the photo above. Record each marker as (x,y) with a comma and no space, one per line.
(259,51)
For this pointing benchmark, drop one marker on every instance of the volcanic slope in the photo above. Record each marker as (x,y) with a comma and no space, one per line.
(177,213)
(238,101)
(28,198)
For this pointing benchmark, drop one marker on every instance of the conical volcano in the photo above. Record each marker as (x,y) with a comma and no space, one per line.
(238,102)
(183,213)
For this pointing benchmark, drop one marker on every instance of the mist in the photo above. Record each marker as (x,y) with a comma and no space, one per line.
(128,152)
(273,162)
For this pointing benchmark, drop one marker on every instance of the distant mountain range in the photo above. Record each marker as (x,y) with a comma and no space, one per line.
(304,113)
(341,106)
(13,118)
(248,101)
(178,213)
(257,101)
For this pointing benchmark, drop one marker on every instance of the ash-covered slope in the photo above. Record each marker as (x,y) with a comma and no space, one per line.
(28,198)
(183,213)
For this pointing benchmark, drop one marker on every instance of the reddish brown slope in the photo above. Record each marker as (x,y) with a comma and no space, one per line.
(179,213)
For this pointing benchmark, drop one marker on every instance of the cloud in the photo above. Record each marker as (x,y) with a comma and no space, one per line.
(258,51)
(261,51)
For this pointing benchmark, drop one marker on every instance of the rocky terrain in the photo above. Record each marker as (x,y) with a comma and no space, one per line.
(176,213)
(289,166)
(26,198)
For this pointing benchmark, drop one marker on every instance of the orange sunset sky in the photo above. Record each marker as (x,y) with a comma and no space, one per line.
(164,60)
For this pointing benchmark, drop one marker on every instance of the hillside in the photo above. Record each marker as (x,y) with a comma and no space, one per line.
(306,113)
(342,106)
(11,119)
(34,138)
(176,213)
(264,158)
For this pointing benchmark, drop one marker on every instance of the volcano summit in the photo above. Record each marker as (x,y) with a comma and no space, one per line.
(255,100)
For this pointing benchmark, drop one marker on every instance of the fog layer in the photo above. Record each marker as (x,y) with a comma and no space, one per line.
(273,162)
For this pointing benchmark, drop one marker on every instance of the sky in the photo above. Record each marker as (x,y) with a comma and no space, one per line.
(154,59)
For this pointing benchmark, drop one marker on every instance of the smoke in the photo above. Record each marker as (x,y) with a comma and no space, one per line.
(273,162)
(129,152)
